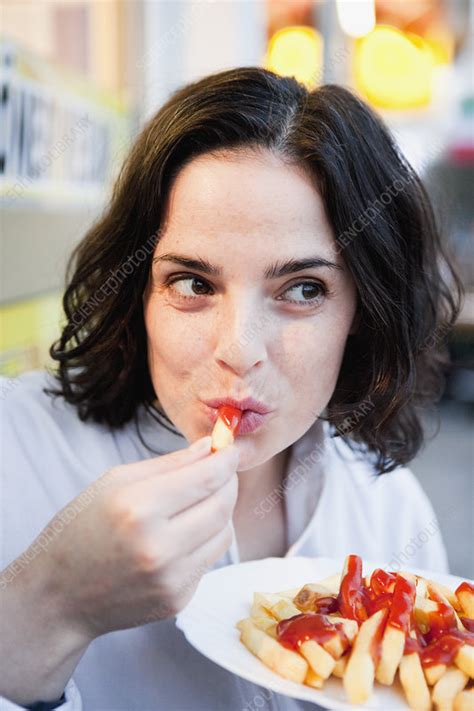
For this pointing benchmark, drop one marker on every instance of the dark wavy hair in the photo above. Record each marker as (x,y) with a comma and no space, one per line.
(409,292)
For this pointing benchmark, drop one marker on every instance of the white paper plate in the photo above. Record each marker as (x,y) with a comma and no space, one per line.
(224,596)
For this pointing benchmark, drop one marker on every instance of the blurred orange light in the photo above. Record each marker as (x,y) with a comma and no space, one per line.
(296,51)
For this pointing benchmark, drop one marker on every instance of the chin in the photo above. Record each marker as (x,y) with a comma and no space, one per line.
(251,455)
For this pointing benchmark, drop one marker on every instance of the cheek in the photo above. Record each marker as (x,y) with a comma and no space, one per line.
(170,343)
(310,359)
(176,357)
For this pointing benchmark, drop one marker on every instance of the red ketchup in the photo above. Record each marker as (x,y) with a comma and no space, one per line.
(394,594)
(326,605)
(442,641)
(403,602)
(231,417)
(382,582)
(468,623)
(309,626)
(465,587)
(351,593)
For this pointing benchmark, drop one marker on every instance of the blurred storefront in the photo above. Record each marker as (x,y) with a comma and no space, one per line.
(80,77)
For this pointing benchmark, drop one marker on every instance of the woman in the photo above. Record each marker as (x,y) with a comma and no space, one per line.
(267,246)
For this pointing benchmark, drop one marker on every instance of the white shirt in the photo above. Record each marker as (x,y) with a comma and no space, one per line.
(334,506)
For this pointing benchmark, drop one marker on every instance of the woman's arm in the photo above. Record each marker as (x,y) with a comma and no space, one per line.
(129,550)
(39,646)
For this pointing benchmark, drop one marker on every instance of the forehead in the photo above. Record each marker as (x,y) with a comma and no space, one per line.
(249,196)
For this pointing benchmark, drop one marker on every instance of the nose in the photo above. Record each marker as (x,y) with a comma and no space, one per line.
(241,336)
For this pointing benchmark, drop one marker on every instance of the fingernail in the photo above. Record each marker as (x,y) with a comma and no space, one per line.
(201,445)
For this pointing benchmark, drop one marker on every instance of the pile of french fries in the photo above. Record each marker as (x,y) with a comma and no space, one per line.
(362,646)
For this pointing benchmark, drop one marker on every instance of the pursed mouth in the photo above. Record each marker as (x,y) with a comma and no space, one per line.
(248,404)
(250,421)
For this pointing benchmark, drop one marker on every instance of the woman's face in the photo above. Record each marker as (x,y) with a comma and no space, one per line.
(238,306)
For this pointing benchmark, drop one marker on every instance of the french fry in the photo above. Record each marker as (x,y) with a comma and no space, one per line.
(393,644)
(273,604)
(350,627)
(423,608)
(290,593)
(396,630)
(414,683)
(445,593)
(360,670)
(464,700)
(283,609)
(266,624)
(421,583)
(226,426)
(437,594)
(411,577)
(221,436)
(320,661)
(332,583)
(312,679)
(336,645)
(359,650)
(447,688)
(281,660)
(340,666)
(307,597)
(434,673)
(262,604)
(464,660)
(421,587)
(465,597)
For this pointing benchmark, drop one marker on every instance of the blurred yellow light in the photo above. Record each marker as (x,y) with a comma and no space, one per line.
(296,51)
(441,42)
(356,17)
(394,69)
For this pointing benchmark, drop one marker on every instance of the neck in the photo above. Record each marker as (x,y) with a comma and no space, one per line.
(257,483)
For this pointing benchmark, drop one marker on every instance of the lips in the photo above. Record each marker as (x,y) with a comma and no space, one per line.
(248,403)
(254,412)
(251,421)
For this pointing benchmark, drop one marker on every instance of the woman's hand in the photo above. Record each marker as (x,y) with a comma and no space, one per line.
(138,550)
(133,554)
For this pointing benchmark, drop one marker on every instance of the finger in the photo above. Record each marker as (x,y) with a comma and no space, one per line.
(186,574)
(192,528)
(168,494)
(167,462)
(203,557)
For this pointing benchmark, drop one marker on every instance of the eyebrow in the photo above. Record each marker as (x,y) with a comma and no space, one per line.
(275,271)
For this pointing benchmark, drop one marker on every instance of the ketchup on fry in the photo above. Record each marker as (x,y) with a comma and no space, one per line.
(403,601)
(226,426)
(351,592)
(293,631)
(465,587)
(231,416)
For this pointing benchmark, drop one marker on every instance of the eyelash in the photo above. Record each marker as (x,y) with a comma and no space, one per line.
(186,277)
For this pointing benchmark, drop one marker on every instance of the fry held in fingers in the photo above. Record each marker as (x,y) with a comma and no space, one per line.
(363,629)
(226,427)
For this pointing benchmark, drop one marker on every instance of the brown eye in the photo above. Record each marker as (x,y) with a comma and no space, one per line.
(189,286)
(305,293)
